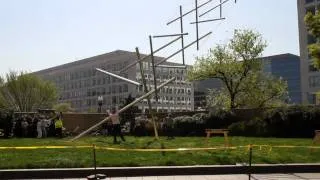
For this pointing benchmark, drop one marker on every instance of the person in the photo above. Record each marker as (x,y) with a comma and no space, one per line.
(51,128)
(31,126)
(17,126)
(44,124)
(114,116)
(39,132)
(169,126)
(58,125)
(24,127)
(7,124)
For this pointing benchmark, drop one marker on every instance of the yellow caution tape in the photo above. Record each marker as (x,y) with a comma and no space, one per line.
(166,150)
(158,150)
(45,147)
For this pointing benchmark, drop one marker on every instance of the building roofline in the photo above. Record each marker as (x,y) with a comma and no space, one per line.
(96,58)
(279,55)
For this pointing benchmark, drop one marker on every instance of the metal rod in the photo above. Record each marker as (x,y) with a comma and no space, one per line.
(220,9)
(209,20)
(250,161)
(94,161)
(153,69)
(168,66)
(213,8)
(119,77)
(170,35)
(197,25)
(188,12)
(146,57)
(122,110)
(177,52)
(182,39)
(146,91)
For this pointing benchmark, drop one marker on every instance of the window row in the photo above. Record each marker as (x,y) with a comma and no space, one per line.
(90,82)
(84,73)
(314,81)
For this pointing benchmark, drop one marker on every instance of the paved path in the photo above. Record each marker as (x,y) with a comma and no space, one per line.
(296,176)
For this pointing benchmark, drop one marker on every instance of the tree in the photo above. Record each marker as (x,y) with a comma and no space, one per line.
(264,90)
(238,66)
(63,107)
(129,114)
(313,26)
(26,92)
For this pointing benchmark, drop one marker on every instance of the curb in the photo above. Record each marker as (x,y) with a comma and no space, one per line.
(158,171)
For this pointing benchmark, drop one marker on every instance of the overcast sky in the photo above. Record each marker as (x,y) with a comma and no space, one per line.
(38,34)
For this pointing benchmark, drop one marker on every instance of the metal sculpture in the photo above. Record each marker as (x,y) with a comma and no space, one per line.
(160,64)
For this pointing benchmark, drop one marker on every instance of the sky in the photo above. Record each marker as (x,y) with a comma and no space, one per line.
(38,34)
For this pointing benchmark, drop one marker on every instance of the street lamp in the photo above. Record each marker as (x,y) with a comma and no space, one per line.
(100,101)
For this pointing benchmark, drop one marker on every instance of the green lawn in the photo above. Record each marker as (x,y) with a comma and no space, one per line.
(54,158)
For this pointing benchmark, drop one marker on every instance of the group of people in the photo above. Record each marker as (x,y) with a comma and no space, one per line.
(42,125)
(39,125)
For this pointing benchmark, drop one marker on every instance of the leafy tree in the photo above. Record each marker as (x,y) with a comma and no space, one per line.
(63,107)
(238,66)
(313,26)
(26,92)
(264,90)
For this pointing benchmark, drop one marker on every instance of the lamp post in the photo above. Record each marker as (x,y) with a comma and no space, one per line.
(100,101)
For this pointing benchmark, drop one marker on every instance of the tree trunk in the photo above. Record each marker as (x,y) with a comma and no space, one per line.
(232,101)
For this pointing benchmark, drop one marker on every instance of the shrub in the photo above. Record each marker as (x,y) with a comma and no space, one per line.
(221,119)
(256,127)
(294,122)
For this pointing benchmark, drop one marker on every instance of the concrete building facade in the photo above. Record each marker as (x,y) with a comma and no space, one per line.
(80,84)
(310,77)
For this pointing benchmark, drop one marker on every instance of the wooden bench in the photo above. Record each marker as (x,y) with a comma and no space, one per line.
(219,131)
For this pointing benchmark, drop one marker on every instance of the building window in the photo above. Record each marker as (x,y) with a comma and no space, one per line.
(108,79)
(125,88)
(312,98)
(314,81)
(309,1)
(114,99)
(120,89)
(312,68)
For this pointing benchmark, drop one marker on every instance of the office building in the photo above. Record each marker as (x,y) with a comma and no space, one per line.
(310,77)
(80,84)
(287,67)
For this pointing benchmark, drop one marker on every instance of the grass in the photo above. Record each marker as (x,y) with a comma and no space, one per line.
(62,158)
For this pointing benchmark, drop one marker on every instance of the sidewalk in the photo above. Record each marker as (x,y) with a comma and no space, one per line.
(296,176)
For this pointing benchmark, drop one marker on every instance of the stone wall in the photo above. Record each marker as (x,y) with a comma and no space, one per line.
(73,120)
